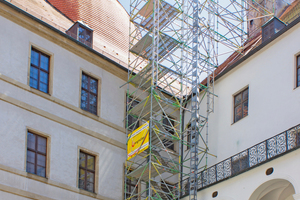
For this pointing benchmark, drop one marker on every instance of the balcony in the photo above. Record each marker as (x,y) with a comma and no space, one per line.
(256,155)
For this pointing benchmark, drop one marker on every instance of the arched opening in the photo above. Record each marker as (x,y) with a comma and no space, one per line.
(277,189)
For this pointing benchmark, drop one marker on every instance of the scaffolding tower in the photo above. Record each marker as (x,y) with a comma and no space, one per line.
(174,50)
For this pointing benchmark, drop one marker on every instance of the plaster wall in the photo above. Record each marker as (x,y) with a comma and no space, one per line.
(6,195)
(15,45)
(65,141)
(243,185)
(63,155)
(273,99)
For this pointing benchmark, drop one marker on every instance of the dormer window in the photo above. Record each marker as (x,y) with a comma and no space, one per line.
(82,33)
(271,28)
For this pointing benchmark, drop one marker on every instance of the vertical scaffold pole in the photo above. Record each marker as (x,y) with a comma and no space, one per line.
(195,103)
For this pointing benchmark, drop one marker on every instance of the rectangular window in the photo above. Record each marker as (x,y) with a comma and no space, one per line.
(86,172)
(133,122)
(84,36)
(36,154)
(82,33)
(39,71)
(168,124)
(132,189)
(89,94)
(298,71)
(241,105)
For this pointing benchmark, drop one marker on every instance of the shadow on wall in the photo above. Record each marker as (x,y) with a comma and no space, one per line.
(277,189)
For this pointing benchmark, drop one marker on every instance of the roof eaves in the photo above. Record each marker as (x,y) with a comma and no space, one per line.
(63,34)
(261,46)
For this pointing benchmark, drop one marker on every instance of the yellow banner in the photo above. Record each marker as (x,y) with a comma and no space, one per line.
(138,141)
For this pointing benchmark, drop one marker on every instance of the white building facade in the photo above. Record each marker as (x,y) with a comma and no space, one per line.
(256,152)
(62,111)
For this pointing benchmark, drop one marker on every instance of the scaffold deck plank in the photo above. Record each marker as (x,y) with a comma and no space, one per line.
(143,47)
(166,15)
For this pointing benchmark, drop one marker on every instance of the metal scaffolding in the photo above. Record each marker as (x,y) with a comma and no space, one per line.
(174,50)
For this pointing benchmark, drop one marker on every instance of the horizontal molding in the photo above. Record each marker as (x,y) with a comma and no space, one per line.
(23,193)
(31,195)
(60,120)
(61,103)
(43,29)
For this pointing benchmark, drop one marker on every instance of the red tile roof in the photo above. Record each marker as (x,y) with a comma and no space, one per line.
(291,13)
(107,18)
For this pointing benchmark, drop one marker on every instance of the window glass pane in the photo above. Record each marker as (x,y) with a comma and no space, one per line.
(41,171)
(34,58)
(30,168)
(93,104)
(34,73)
(133,122)
(238,99)
(245,108)
(93,100)
(84,82)
(93,109)
(43,77)
(82,159)
(238,113)
(81,33)
(31,140)
(33,83)
(93,86)
(89,94)
(81,178)
(132,103)
(84,98)
(31,157)
(168,124)
(41,160)
(88,35)
(90,177)
(45,62)
(42,144)
(90,162)
(245,94)
(298,61)
(90,187)
(43,87)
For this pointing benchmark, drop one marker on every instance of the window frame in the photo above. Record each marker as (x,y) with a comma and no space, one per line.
(173,120)
(50,55)
(87,112)
(48,145)
(241,103)
(96,167)
(73,31)
(132,184)
(87,170)
(86,31)
(297,70)
(139,123)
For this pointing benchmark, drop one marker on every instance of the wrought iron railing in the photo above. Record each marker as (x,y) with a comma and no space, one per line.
(247,159)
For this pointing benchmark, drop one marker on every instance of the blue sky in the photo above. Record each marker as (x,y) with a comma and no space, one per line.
(125,3)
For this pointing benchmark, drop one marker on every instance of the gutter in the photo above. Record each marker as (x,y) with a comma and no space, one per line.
(63,34)
(261,46)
